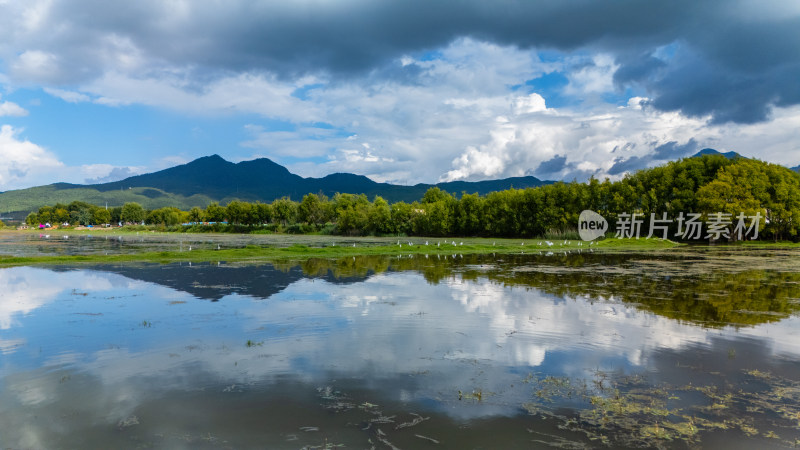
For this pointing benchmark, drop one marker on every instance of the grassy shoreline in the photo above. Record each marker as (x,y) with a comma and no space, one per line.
(277,247)
(282,247)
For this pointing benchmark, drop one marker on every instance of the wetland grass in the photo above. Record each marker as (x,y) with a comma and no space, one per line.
(330,247)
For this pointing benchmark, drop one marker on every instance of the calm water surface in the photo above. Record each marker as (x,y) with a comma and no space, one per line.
(695,348)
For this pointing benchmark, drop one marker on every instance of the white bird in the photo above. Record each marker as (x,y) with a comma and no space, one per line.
(426,242)
(460,243)
(539,244)
(217,246)
(437,244)
(354,244)
(521,243)
(454,242)
(549,244)
(410,244)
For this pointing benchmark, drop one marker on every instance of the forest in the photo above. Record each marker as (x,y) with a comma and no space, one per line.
(706,185)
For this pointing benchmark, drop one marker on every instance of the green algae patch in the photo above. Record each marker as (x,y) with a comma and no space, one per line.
(626,410)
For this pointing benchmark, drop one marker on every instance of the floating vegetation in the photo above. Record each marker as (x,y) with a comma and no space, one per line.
(374,420)
(325,446)
(251,343)
(629,411)
(127,422)
(427,438)
(474,395)
(416,421)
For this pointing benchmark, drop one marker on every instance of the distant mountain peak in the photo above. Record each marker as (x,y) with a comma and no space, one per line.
(212,178)
(711,151)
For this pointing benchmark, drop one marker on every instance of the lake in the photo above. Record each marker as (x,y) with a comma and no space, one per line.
(691,347)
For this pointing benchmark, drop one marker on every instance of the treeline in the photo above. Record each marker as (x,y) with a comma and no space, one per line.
(706,184)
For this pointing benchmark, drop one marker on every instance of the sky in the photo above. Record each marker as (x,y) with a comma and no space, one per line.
(400,91)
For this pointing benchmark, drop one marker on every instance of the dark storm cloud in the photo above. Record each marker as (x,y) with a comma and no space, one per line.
(727,61)
(668,151)
(631,164)
(672,150)
(637,69)
(551,166)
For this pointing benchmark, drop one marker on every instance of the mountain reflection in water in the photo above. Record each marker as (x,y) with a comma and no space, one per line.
(571,350)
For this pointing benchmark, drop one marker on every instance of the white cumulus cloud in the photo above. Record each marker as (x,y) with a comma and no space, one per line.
(12,109)
(23,161)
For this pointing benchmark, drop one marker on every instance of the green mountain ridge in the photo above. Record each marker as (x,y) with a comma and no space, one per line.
(731,155)
(711,151)
(212,178)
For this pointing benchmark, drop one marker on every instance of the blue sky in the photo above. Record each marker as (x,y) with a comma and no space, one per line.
(403,92)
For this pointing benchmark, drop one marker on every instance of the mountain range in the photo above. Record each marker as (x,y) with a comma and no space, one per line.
(711,151)
(211,178)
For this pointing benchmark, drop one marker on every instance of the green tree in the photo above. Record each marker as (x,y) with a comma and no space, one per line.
(284,210)
(100,216)
(435,219)
(61,215)
(167,216)
(239,212)
(82,216)
(783,201)
(196,215)
(469,215)
(78,206)
(32,219)
(352,213)
(262,213)
(116,214)
(435,194)
(379,217)
(132,212)
(45,214)
(311,210)
(403,217)
(215,213)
